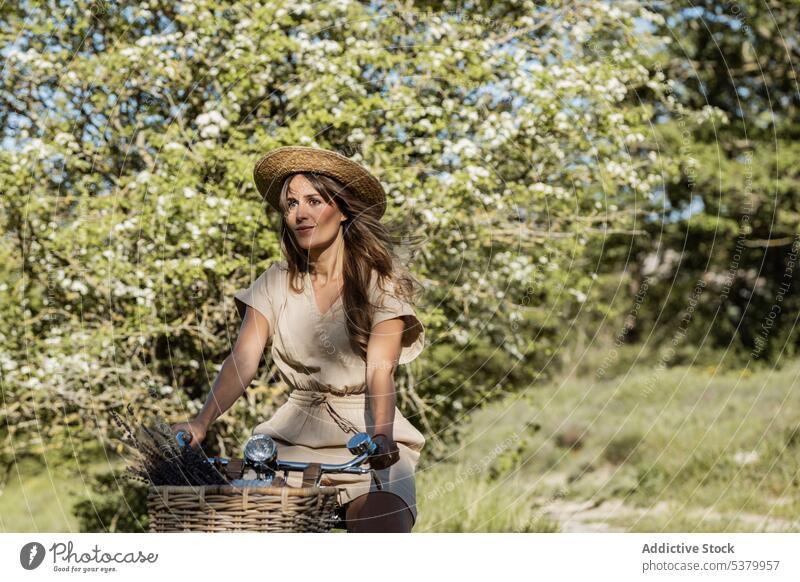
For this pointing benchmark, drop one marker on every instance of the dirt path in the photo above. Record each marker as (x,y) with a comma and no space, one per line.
(593,516)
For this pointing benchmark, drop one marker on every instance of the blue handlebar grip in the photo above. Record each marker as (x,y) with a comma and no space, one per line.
(183,437)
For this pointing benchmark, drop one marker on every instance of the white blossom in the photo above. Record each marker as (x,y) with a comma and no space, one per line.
(79,287)
(357,135)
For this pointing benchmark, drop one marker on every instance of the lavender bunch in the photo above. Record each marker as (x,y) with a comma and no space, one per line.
(158,460)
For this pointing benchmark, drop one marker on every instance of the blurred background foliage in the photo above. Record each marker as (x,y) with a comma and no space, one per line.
(585,175)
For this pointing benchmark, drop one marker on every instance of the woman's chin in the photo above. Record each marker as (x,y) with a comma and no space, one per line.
(310,243)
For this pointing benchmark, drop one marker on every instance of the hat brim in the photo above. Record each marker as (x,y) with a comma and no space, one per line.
(272,169)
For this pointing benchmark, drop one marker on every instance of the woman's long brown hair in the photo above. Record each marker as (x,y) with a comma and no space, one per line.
(368,247)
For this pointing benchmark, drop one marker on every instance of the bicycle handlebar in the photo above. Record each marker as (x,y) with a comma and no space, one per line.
(351,466)
(261,455)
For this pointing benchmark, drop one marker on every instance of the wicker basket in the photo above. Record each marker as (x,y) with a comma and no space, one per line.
(218,508)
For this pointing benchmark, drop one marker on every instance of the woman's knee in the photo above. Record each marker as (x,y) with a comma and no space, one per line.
(379,511)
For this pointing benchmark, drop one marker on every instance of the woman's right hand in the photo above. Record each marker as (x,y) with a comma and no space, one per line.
(196,428)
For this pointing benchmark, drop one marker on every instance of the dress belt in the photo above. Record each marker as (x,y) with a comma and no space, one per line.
(321,399)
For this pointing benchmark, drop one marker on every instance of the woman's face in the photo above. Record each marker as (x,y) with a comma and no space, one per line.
(313,221)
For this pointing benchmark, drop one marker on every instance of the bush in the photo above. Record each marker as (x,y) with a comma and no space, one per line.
(116,505)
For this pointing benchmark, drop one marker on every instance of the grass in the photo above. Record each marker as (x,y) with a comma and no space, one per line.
(40,497)
(681,449)
(31,503)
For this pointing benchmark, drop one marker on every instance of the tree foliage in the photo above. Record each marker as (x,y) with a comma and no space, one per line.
(725,231)
(509,134)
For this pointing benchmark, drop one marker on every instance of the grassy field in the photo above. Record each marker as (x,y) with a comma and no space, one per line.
(39,497)
(683,449)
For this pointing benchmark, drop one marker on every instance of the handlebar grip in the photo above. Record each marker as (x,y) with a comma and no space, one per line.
(183,437)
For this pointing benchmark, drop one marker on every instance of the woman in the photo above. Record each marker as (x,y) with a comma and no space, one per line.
(338,311)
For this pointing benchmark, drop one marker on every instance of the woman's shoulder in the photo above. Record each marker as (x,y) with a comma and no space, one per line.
(279,264)
(271,278)
(277,268)
(381,284)
(395,284)
(393,300)
(264,291)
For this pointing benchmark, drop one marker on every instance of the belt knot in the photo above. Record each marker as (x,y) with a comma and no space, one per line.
(319,398)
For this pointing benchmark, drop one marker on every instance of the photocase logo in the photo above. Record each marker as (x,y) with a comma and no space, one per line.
(31,555)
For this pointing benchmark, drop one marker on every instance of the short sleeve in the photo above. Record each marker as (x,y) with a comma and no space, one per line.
(261,295)
(389,306)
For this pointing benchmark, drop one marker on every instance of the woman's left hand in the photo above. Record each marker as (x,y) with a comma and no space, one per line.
(386,455)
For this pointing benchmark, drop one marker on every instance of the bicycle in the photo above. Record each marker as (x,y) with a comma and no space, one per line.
(265,503)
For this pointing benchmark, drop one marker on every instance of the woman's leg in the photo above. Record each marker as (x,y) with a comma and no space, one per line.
(379,512)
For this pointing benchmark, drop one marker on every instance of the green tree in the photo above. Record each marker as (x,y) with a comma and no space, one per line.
(727,216)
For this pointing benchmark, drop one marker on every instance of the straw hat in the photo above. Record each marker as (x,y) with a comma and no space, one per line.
(271,170)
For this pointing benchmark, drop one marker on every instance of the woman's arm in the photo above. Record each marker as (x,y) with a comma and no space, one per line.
(233,379)
(383,353)
(237,371)
(239,368)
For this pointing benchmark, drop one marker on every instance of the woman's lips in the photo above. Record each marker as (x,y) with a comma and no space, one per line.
(305,228)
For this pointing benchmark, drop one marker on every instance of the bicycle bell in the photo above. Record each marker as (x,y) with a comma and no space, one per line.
(361,443)
(260,453)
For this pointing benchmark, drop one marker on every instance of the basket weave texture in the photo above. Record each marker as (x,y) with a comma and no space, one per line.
(225,508)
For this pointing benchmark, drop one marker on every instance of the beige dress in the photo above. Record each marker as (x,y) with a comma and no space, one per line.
(327,403)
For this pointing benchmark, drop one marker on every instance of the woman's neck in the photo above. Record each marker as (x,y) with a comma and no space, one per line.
(328,263)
